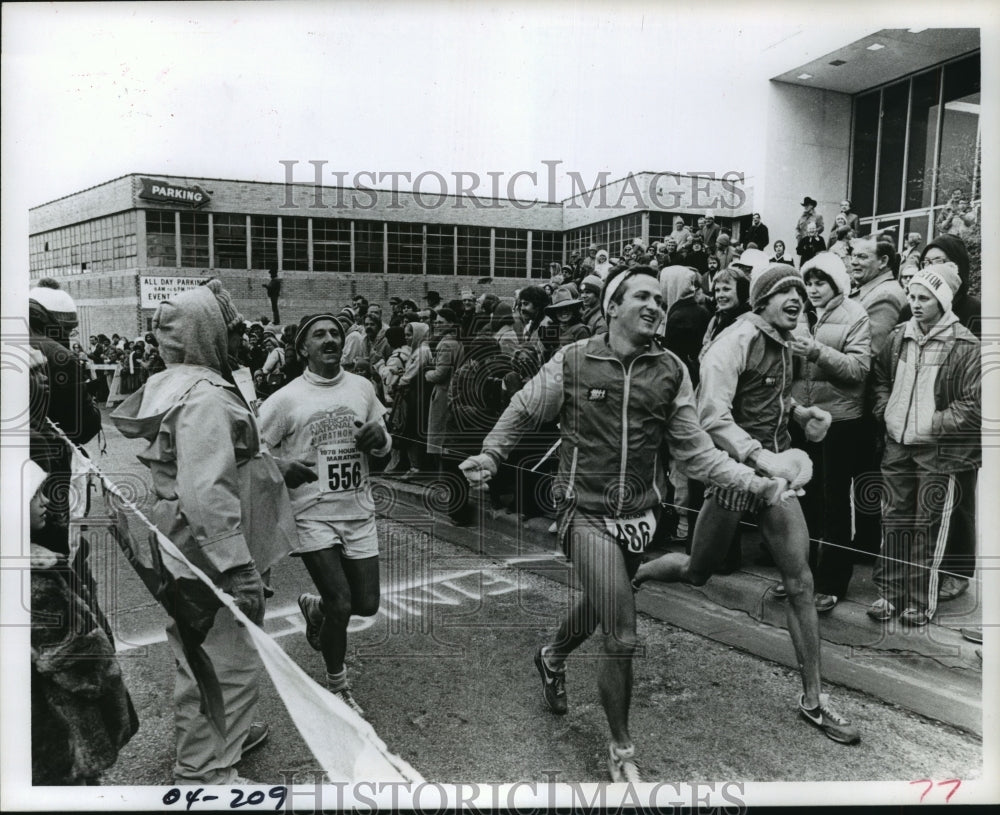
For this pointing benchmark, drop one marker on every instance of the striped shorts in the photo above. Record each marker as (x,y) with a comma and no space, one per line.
(736,500)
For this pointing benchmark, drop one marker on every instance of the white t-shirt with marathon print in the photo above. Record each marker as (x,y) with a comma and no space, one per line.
(313,420)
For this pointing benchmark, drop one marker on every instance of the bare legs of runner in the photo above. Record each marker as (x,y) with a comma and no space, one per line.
(606,600)
(785,529)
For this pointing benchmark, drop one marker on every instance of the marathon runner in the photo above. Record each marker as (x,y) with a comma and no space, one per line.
(619,398)
(329,418)
(744,402)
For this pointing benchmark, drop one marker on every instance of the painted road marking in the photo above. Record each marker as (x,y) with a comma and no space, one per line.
(448,589)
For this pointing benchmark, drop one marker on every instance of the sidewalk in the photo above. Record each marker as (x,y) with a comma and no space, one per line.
(932,671)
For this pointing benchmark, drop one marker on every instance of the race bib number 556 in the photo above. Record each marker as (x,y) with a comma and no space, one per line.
(342,475)
(632,532)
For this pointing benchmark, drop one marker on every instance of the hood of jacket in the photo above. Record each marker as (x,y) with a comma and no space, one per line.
(674,282)
(191,330)
(192,337)
(955,249)
(420,332)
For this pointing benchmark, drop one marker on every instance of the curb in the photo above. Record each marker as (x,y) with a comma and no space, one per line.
(933,671)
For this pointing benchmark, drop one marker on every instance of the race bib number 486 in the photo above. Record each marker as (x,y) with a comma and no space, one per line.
(633,532)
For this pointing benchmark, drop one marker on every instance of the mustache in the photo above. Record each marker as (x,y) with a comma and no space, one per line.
(330,347)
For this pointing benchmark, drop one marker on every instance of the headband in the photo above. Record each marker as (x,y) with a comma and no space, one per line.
(612,286)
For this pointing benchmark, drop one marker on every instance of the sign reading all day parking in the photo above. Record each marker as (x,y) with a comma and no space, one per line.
(154,290)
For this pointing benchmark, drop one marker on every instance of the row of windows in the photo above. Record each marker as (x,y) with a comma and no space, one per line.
(916,141)
(610,234)
(103,244)
(403,247)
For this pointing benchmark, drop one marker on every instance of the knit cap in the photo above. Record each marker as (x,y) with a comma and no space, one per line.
(592,283)
(230,315)
(941,280)
(773,279)
(309,319)
(57,302)
(832,267)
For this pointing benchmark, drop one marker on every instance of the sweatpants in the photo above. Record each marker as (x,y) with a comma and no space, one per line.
(922,506)
(202,758)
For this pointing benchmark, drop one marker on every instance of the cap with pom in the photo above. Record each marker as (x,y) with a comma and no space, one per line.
(230,315)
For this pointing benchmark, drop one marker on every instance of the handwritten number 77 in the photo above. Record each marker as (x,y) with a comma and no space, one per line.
(955,783)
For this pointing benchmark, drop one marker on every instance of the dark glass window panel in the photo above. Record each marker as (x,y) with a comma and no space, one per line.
(863,152)
(331,245)
(264,242)
(229,236)
(368,247)
(546,248)
(923,127)
(957,158)
(161,249)
(295,244)
(511,253)
(441,250)
(406,248)
(474,250)
(895,99)
(194,239)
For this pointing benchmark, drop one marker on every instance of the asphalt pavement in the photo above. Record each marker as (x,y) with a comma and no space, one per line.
(445,671)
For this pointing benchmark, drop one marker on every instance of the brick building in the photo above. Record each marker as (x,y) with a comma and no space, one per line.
(122,246)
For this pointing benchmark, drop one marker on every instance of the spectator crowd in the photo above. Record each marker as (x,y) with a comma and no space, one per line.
(883,350)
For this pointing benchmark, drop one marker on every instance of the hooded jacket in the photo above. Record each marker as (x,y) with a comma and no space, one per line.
(219,495)
(967,308)
(928,390)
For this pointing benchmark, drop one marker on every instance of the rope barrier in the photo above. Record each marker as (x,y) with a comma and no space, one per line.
(748,524)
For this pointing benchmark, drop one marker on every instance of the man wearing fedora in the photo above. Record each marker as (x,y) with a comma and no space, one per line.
(808,216)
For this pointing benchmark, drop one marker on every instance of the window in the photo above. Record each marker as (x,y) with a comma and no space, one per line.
(895,101)
(229,236)
(621,231)
(923,132)
(441,249)
(264,242)
(546,248)
(958,159)
(865,151)
(406,248)
(474,250)
(194,239)
(368,241)
(511,253)
(331,245)
(161,248)
(295,244)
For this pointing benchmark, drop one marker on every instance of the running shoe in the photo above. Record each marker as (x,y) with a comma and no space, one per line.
(311,606)
(344,695)
(952,588)
(881,610)
(256,736)
(553,685)
(826,603)
(621,764)
(972,634)
(829,721)
(914,617)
